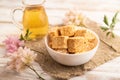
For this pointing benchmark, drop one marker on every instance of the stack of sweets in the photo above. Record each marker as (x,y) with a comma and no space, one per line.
(68,39)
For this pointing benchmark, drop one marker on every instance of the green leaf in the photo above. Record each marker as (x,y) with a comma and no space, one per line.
(108,33)
(113,35)
(114,19)
(26,36)
(27,32)
(106,20)
(104,28)
(21,37)
(112,25)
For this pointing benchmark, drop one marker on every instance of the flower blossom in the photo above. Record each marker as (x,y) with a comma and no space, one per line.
(12,43)
(74,18)
(21,58)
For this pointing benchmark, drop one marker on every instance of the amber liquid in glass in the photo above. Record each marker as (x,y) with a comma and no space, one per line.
(36,20)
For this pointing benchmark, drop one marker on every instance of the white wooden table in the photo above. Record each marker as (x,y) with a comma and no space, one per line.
(94,9)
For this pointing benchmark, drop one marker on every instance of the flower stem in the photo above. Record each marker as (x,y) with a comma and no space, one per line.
(35,72)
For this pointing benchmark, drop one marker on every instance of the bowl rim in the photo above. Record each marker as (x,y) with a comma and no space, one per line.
(98,42)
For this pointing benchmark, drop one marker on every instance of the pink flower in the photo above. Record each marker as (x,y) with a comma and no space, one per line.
(12,43)
(21,58)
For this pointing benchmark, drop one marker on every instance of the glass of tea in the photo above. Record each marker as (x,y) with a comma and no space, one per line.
(34,18)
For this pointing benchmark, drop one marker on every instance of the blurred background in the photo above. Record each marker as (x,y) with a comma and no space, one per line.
(56,9)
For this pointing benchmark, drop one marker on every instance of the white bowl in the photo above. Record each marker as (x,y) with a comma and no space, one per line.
(72,59)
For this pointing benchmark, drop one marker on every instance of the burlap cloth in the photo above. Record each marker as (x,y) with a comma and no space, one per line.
(54,69)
